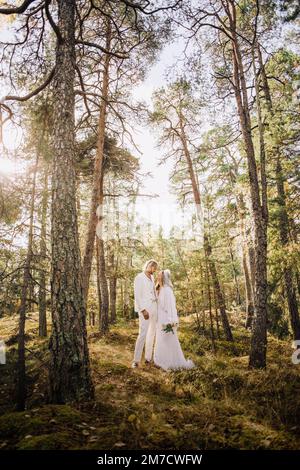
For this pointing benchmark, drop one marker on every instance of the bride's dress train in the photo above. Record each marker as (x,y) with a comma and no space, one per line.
(168,354)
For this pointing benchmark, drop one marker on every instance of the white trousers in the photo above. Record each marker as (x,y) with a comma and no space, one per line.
(147,330)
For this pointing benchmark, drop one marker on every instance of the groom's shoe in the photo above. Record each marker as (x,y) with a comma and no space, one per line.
(134,365)
(148,363)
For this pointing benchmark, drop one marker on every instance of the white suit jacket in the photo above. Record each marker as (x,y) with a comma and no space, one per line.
(144,293)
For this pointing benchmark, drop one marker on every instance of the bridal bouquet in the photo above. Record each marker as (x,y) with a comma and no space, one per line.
(168,328)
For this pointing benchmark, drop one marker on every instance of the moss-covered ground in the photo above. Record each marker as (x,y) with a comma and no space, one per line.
(220,404)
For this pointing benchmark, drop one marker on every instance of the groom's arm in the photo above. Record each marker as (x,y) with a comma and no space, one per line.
(138,295)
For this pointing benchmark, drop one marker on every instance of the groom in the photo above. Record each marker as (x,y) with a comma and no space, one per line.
(145,301)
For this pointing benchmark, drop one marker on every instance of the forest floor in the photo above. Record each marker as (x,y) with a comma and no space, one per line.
(220,404)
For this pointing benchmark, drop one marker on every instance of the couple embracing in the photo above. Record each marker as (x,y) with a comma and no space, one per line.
(158,320)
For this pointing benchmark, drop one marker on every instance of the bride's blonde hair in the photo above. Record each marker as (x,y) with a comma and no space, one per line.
(166,279)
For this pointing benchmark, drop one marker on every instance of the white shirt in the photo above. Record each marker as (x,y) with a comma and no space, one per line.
(144,293)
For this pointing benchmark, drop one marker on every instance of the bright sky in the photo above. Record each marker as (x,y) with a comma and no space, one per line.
(162,210)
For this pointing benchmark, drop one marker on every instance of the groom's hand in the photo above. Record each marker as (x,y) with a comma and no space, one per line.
(145,314)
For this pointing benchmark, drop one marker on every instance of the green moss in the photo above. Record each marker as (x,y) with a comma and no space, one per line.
(112,368)
(41,421)
(55,441)
(219,404)
(12,424)
(106,437)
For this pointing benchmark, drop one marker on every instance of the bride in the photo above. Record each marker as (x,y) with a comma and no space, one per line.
(167,352)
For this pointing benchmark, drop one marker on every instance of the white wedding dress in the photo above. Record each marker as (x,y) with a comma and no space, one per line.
(167,351)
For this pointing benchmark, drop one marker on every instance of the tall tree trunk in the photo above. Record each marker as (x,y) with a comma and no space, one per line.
(217,288)
(69,373)
(251,256)
(212,334)
(217,315)
(103,300)
(113,298)
(283,214)
(202,290)
(98,284)
(258,348)
(262,147)
(246,265)
(21,377)
(112,281)
(130,213)
(43,255)
(248,289)
(207,246)
(121,305)
(112,254)
(103,287)
(237,289)
(31,296)
(97,190)
(126,291)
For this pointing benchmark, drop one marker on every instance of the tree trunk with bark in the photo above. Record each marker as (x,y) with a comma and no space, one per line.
(248,290)
(212,334)
(43,255)
(234,272)
(98,177)
(258,349)
(249,281)
(283,214)
(102,287)
(69,371)
(21,367)
(217,288)
(112,268)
